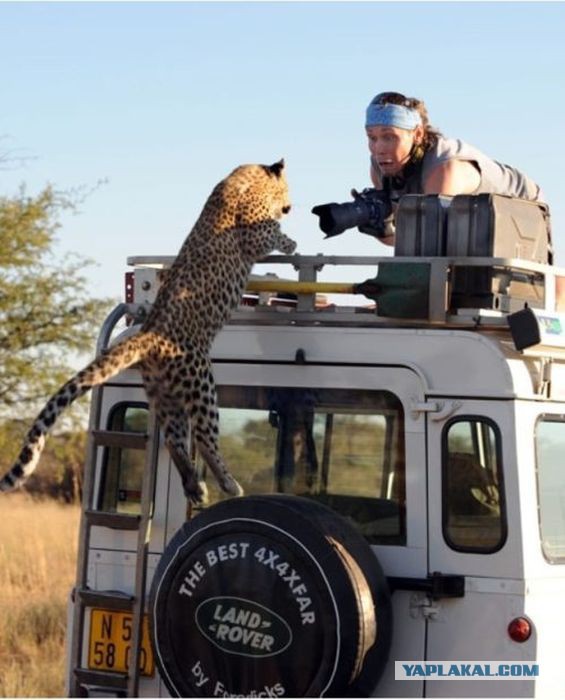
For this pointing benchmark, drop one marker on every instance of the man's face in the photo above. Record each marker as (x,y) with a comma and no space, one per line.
(391,146)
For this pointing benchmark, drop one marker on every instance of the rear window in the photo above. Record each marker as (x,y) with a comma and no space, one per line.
(550,449)
(474,517)
(123,467)
(340,447)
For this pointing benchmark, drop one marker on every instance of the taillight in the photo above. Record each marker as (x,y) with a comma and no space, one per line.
(519,629)
(129,295)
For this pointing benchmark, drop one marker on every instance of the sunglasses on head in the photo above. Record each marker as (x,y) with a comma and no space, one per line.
(395,98)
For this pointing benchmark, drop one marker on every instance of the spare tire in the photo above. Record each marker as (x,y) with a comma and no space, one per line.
(269,596)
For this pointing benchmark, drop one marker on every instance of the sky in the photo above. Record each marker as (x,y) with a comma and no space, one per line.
(146,106)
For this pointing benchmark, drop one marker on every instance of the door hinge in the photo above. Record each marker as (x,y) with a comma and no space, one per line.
(417,407)
(422,605)
(438,410)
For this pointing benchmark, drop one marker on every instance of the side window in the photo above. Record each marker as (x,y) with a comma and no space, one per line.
(341,447)
(122,468)
(472,498)
(550,448)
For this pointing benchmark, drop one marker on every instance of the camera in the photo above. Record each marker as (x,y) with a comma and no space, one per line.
(368,211)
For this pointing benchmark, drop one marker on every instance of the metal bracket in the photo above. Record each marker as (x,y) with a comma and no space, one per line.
(437,585)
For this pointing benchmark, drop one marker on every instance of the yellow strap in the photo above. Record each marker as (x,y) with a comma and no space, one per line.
(300,287)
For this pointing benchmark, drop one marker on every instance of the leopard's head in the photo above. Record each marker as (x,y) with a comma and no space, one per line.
(251,194)
(261,205)
(263,193)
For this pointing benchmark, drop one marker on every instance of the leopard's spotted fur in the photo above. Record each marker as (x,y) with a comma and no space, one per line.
(238,226)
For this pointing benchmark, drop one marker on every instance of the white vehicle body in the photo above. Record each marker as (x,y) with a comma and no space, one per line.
(445,390)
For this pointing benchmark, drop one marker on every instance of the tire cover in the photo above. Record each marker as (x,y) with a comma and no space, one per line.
(269,596)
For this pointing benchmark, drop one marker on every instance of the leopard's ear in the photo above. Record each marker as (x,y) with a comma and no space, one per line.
(276,168)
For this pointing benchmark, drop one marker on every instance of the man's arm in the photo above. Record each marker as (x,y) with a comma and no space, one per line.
(453,177)
(449,178)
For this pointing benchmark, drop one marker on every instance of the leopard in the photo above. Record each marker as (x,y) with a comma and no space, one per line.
(238,226)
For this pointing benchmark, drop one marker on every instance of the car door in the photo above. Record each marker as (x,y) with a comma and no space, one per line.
(365,458)
(474,534)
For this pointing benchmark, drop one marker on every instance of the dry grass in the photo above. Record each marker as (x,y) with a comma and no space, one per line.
(37,570)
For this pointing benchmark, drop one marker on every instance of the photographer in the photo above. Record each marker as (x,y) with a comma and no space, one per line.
(408,156)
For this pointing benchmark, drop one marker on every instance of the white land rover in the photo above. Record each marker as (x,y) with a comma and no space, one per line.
(403,529)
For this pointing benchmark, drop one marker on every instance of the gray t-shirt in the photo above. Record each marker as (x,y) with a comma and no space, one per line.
(496,178)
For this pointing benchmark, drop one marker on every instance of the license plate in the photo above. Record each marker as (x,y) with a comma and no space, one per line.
(111,634)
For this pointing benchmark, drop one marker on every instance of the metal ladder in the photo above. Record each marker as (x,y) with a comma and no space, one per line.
(82,678)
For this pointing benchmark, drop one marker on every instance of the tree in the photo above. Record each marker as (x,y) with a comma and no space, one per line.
(47,318)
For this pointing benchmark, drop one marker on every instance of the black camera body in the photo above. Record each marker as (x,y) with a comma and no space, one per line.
(369,211)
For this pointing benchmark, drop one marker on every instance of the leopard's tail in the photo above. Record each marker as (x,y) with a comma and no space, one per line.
(106,365)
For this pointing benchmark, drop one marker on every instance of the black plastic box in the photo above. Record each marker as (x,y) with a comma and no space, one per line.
(497,226)
(484,225)
(421,225)
(493,225)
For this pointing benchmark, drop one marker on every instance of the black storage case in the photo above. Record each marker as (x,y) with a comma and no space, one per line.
(493,225)
(421,225)
(484,225)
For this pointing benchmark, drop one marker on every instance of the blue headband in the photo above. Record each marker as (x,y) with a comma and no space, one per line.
(392,115)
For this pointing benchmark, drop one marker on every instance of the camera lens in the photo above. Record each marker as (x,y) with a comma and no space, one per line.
(337,218)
